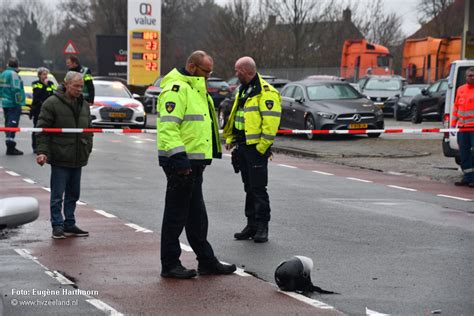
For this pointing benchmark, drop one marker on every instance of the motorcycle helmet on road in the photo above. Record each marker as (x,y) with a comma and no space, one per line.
(295,275)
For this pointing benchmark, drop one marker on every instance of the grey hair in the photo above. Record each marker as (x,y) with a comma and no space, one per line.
(40,70)
(72,75)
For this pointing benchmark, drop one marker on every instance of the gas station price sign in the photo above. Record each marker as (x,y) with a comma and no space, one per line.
(144,41)
(144,62)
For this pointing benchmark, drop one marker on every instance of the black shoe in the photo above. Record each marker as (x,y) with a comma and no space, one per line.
(461,183)
(262,233)
(247,233)
(75,231)
(179,272)
(12,151)
(58,232)
(217,269)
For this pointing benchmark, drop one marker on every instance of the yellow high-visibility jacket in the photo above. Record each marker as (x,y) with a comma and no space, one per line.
(262,112)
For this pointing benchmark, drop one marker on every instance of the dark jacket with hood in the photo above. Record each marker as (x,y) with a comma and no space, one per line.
(65,149)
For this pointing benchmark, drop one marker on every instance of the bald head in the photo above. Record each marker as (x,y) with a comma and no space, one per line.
(245,69)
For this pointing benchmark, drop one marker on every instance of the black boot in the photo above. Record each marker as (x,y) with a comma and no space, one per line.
(246,233)
(12,151)
(262,233)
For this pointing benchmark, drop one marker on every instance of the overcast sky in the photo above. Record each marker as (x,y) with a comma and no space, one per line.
(405,8)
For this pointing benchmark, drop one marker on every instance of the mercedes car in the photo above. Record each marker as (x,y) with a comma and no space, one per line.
(327,105)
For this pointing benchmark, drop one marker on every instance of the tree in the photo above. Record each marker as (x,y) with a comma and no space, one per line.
(30,44)
(378,26)
(429,9)
(300,16)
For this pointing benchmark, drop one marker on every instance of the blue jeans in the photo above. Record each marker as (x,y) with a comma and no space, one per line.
(12,119)
(64,182)
(466,151)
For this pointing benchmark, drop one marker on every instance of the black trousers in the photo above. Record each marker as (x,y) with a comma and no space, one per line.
(185,208)
(254,171)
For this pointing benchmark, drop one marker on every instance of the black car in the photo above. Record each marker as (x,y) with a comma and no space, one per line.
(401,104)
(223,110)
(218,89)
(430,102)
(327,105)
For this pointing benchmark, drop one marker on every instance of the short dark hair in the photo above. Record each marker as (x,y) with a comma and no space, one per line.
(13,62)
(74,59)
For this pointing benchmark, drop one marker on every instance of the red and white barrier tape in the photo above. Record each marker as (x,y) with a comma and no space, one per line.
(283,131)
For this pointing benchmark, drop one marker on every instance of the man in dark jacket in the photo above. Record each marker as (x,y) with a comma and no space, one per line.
(67,153)
(42,89)
(73,64)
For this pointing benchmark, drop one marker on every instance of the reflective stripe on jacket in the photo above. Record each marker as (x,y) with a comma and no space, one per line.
(186,122)
(463,108)
(262,114)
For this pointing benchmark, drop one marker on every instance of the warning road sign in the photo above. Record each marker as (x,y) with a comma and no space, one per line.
(70,48)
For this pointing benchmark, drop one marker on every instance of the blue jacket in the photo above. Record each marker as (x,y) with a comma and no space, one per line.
(12,93)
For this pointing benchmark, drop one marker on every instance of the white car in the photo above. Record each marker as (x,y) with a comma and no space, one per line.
(114,105)
(456,78)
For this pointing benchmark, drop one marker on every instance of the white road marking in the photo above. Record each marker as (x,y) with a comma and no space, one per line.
(81,203)
(104,307)
(401,188)
(186,247)
(138,142)
(307,300)
(29,181)
(323,173)
(46,189)
(360,180)
(59,277)
(287,166)
(12,173)
(104,213)
(370,312)
(150,140)
(1,167)
(27,255)
(454,197)
(135,137)
(388,203)
(139,229)
(241,272)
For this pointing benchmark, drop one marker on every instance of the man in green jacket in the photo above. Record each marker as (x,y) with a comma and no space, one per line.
(188,139)
(67,153)
(12,98)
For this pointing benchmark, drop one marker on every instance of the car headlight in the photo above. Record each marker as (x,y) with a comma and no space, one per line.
(326,115)
(403,104)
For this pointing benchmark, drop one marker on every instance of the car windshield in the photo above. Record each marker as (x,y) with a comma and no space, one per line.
(28,79)
(217,84)
(116,90)
(411,91)
(331,91)
(383,84)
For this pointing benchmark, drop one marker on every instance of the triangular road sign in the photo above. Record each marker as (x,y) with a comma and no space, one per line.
(70,48)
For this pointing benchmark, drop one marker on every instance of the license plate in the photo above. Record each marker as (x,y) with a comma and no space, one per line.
(356,126)
(223,92)
(117,115)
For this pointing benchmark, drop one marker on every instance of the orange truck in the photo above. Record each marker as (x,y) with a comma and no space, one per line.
(425,60)
(361,58)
